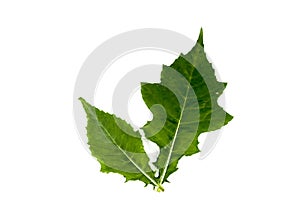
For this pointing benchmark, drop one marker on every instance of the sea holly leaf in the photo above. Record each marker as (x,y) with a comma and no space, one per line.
(116,146)
(188,93)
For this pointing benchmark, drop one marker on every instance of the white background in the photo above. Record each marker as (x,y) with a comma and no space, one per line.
(254,44)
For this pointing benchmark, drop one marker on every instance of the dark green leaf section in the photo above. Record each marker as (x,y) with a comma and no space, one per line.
(178,102)
(116,146)
(207,88)
(157,94)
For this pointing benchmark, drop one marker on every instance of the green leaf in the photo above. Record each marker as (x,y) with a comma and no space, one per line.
(184,105)
(117,147)
(188,95)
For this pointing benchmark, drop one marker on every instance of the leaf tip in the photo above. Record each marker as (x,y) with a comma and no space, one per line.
(81,99)
(84,103)
(200,38)
(228,118)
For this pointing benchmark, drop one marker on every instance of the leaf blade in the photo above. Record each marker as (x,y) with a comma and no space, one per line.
(195,68)
(115,150)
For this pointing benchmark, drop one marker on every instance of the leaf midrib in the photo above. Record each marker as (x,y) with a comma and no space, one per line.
(176,132)
(127,156)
